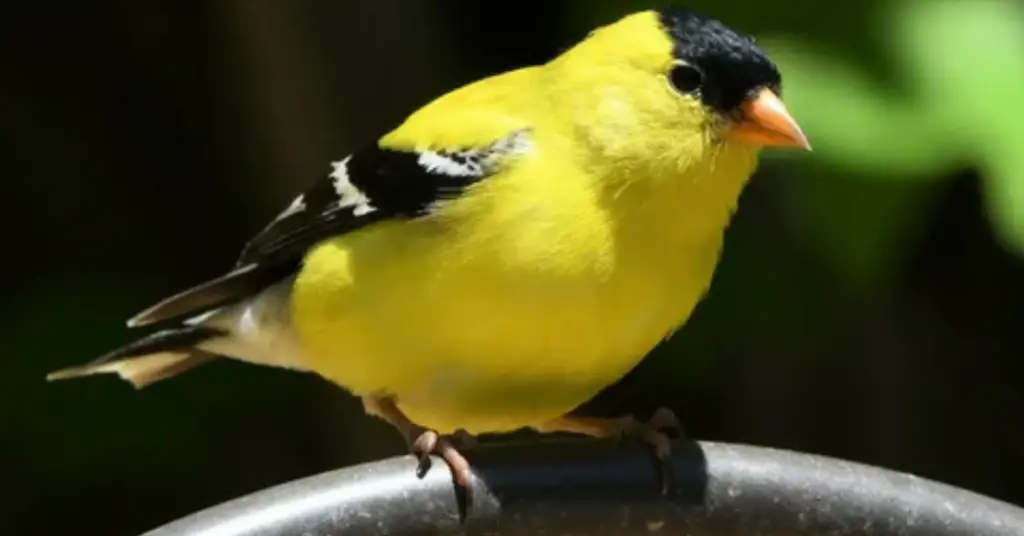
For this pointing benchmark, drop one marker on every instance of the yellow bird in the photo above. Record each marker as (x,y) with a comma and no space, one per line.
(510,249)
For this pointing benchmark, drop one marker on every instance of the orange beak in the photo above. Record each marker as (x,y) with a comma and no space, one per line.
(766,122)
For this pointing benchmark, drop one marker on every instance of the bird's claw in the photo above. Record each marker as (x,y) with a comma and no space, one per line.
(655,433)
(424,442)
(664,419)
(652,433)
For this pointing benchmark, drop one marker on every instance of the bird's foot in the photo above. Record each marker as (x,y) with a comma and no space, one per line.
(652,432)
(423,441)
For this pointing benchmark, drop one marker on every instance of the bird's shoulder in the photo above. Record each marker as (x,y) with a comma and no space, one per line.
(437,152)
(476,114)
(393,178)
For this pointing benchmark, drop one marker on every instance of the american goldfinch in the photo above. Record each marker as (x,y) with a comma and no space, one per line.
(506,252)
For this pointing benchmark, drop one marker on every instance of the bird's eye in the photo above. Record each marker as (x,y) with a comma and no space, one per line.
(686,78)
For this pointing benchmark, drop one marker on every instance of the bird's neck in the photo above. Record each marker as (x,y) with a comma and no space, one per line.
(679,205)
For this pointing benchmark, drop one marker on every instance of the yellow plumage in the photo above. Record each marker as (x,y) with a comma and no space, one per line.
(547,282)
(585,234)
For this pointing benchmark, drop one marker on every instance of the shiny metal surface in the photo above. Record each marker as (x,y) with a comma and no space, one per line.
(583,487)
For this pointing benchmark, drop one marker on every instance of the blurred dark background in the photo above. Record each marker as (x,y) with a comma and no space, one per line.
(869,304)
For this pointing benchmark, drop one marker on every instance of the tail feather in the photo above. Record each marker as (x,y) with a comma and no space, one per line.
(155,357)
(232,287)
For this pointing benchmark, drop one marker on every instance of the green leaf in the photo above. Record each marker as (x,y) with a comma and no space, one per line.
(1004,192)
(853,123)
(963,60)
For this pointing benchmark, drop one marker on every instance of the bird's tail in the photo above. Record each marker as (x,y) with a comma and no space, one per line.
(155,357)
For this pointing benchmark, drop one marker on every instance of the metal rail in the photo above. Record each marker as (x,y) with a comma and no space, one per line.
(583,487)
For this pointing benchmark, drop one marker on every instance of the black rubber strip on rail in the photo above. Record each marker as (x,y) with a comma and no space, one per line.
(586,487)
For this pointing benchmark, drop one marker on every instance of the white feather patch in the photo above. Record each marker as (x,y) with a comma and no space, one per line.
(348,194)
(474,163)
(440,164)
(298,205)
(259,329)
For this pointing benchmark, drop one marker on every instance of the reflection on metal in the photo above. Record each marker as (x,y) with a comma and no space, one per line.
(584,487)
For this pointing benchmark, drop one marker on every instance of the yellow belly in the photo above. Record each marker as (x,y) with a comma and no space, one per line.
(485,334)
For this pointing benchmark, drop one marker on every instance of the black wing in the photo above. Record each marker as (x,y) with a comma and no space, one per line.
(371,185)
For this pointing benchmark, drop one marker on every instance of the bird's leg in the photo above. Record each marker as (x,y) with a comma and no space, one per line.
(423,442)
(651,432)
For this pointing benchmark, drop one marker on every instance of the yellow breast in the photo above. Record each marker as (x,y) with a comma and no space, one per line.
(491,315)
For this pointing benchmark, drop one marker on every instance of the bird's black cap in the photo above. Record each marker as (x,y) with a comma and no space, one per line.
(734,67)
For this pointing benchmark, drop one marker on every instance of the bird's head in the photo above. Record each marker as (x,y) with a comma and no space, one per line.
(675,87)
